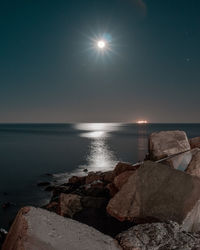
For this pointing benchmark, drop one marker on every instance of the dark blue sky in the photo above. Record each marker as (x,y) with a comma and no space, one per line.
(49,71)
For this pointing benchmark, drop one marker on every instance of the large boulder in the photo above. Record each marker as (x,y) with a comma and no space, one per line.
(37,229)
(158,192)
(195,142)
(165,143)
(158,236)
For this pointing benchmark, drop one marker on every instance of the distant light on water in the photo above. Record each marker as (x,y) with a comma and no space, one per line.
(142,122)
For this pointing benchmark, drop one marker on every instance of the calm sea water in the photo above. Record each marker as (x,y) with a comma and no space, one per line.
(28,152)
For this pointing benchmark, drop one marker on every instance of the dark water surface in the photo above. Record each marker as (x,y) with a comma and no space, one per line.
(28,152)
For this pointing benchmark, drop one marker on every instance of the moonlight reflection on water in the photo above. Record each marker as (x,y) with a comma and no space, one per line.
(100,157)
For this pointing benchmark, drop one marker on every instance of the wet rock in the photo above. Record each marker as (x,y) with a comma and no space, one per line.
(194,165)
(156,191)
(195,142)
(166,143)
(78,180)
(43,184)
(94,176)
(36,228)
(122,178)
(158,236)
(95,184)
(69,204)
(57,190)
(122,167)
(85,170)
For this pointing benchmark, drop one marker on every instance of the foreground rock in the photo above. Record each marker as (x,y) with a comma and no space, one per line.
(166,143)
(158,236)
(36,229)
(158,192)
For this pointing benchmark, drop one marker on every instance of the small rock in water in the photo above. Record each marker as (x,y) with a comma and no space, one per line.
(85,170)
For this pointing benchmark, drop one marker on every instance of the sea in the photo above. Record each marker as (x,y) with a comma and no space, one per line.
(34,153)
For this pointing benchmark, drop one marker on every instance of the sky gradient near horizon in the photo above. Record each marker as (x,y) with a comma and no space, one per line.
(50,70)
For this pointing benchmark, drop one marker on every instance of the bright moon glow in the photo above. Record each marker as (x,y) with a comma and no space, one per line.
(101,44)
(142,122)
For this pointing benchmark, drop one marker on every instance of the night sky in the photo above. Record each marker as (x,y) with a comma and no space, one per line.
(52,71)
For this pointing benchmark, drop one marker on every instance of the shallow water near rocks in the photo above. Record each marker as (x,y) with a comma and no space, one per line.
(30,153)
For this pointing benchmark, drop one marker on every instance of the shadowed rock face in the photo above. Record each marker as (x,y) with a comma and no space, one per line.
(166,143)
(38,229)
(195,142)
(158,236)
(156,191)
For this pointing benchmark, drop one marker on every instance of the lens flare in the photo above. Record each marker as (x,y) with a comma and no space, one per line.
(101,44)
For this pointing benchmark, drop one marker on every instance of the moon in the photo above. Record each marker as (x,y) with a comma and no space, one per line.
(101,44)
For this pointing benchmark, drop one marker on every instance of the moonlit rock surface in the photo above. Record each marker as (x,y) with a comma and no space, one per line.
(166,143)
(39,229)
(158,236)
(158,192)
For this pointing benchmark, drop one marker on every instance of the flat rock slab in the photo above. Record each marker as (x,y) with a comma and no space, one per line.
(39,229)
(158,236)
(165,143)
(158,192)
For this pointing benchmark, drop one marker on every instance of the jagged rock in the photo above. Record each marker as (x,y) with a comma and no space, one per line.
(194,165)
(166,143)
(156,191)
(94,176)
(122,167)
(195,142)
(77,180)
(37,229)
(122,178)
(158,236)
(95,184)
(69,204)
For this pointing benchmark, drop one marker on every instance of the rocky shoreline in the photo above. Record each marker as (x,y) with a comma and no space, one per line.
(152,205)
